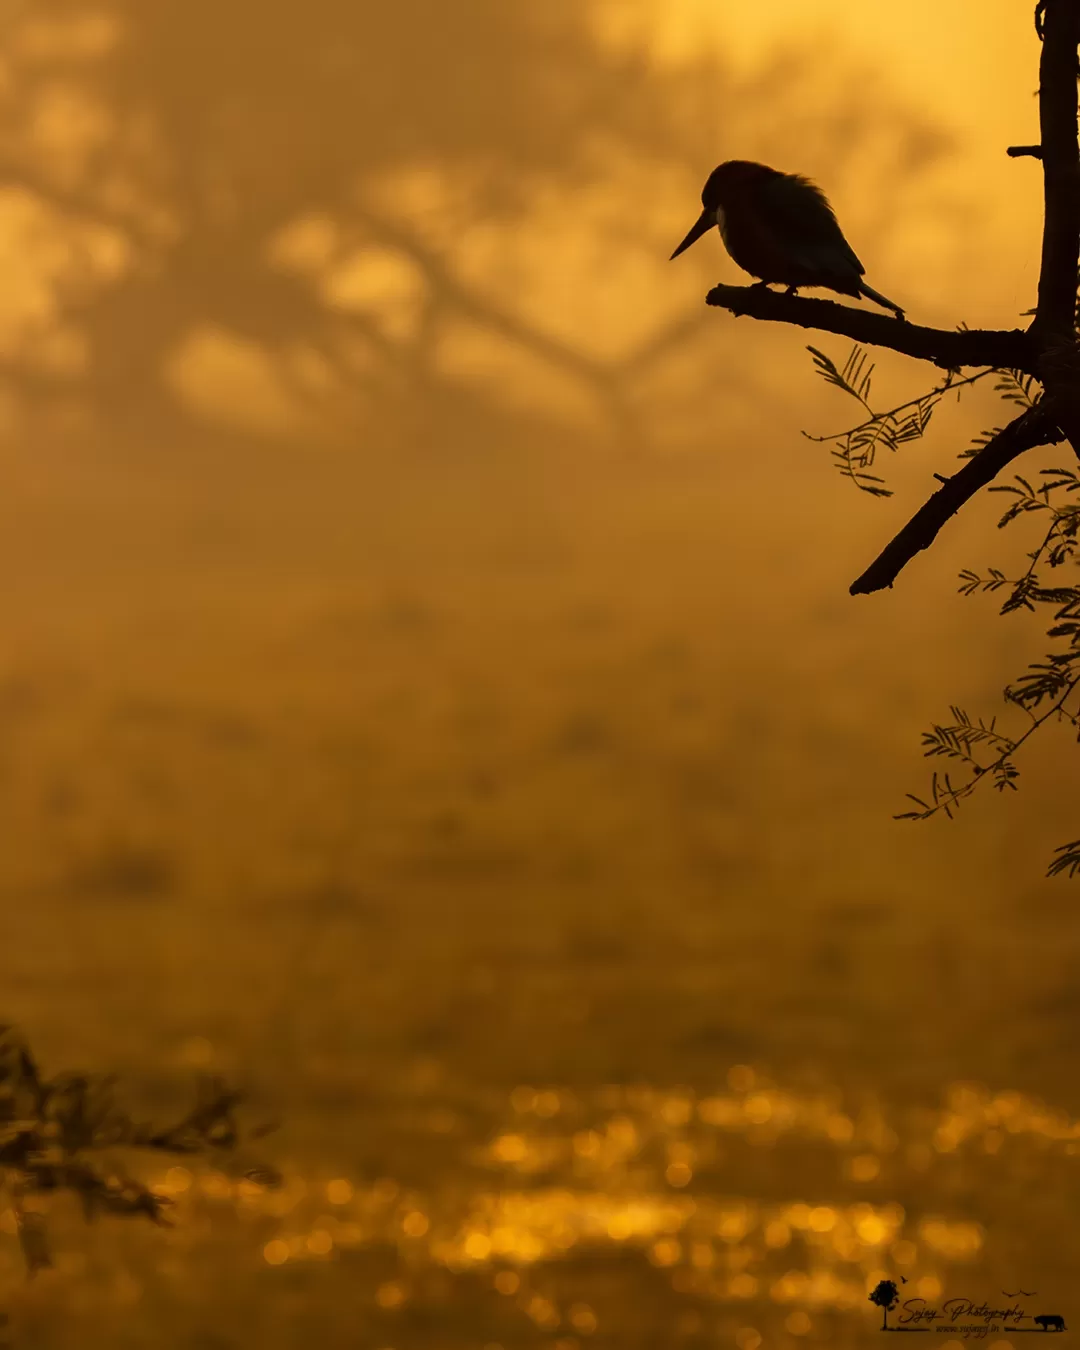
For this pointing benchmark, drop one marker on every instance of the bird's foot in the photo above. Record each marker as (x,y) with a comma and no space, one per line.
(792,290)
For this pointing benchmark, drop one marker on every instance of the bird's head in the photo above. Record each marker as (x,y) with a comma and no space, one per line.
(722,188)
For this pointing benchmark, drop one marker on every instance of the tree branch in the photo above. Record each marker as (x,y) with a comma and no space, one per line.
(1056,311)
(1015,151)
(1009,349)
(1030,429)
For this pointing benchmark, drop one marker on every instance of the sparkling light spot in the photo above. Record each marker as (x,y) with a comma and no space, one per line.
(276,1252)
(582,1318)
(758,1108)
(678,1174)
(547,1104)
(507,1282)
(390,1295)
(791,1286)
(741,1078)
(864,1167)
(871,1230)
(822,1219)
(798,1323)
(415,1224)
(840,1129)
(777,1233)
(216,1185)
(587,1143)
(510,1148)
(178,1179)
(623,1134)
(666,1252)
(955,1241)
(733,1224)
(339,1192)
(718,1111)
(478,1246)
(542,1311)
(676,1111)
(748,1338)
(320,1243)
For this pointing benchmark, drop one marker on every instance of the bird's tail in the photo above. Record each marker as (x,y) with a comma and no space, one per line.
(880,299)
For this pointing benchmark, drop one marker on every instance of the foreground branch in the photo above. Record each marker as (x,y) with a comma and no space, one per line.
(1008,349)
(1030,429)
(1060,20)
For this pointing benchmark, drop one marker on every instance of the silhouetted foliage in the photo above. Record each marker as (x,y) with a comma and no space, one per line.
(1049,682)
(1041,377)
(54,1131)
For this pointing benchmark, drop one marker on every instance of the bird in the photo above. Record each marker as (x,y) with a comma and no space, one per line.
(780,228)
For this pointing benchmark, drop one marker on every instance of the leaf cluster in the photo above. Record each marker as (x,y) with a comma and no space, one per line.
(963,740)
(62,1134)
(1048,684)
(856,448)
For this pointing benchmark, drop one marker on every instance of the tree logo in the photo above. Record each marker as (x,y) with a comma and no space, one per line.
(980,1316)
(886,1295)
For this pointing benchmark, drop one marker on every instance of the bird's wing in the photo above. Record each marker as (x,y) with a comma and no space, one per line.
(804,225)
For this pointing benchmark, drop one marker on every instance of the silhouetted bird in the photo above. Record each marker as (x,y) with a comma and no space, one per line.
(781,228)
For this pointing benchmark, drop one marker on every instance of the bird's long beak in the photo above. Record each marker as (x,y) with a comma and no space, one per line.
(701,226)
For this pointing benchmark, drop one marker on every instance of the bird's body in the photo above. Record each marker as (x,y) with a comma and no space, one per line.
(780,228)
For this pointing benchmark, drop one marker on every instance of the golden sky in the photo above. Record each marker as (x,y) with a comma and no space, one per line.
(971,66)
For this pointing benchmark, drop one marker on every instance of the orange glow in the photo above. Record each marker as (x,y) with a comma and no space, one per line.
(339,1192)
(390,1295)
(431,700)
(415,1224)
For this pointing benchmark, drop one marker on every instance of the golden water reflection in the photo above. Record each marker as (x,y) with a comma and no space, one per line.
(568,1210)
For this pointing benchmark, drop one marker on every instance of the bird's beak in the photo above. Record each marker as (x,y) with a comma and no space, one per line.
(701,226)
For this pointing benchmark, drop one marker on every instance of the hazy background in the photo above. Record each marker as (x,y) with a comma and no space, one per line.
(430,693)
